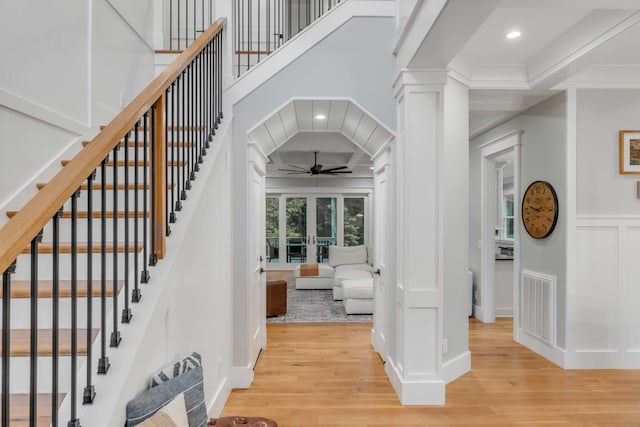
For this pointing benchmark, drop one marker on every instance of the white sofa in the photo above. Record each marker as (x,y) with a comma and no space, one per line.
(353,278)
(350,275)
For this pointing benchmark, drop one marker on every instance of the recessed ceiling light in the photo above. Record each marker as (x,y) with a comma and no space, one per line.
(513,34)
(321,117)
(371,167)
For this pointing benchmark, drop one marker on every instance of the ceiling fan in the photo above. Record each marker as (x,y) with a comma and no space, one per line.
(316,169)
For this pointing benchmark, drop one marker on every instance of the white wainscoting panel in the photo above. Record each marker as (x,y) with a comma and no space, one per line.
(607,294)
(632,303)
(596,300)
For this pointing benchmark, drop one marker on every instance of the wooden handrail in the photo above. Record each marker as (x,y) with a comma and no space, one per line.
(18,232)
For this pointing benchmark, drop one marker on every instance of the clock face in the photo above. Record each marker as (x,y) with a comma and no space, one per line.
(539,209)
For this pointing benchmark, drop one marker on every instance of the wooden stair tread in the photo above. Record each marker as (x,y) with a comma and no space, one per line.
(65,248)
(109,187)
(19,409)
(22,288)
(96,214)
(21,339)
(132,163)
(169,51)
(141,144)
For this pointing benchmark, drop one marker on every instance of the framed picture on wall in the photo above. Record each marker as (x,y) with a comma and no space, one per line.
(629,151)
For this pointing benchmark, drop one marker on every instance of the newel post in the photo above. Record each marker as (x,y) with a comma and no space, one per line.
(159,180)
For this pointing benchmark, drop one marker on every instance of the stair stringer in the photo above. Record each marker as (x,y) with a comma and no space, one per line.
(303,42)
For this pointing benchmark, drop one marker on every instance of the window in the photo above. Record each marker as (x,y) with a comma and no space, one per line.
(272,229)
(353,221)
(508,219)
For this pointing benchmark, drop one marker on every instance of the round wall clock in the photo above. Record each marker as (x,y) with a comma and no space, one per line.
(539,209)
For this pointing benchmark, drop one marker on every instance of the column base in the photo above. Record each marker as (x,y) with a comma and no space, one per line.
(427,390)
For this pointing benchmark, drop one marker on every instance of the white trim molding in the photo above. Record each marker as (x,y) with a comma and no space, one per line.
(456,367)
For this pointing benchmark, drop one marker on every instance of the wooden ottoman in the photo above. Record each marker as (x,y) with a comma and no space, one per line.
(276,297)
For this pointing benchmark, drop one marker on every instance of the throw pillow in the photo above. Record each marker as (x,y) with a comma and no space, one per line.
(147,403)
(176,368)
(173,414)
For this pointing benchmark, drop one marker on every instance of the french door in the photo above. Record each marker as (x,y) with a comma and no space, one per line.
(300,228)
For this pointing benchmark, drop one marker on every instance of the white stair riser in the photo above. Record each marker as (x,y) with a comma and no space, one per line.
(19,379)
(21,312)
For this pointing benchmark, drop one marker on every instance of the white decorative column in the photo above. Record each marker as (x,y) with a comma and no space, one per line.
(415,362)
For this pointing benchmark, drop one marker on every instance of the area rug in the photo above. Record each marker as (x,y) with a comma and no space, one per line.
(315,306)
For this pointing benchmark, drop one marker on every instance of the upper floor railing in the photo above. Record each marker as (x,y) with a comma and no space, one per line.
(185,20)
(147,157)
(262,26)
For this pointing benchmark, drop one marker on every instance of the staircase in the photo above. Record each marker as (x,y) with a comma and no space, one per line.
(84,244)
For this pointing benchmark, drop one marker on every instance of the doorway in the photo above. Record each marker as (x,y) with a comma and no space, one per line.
(500,265)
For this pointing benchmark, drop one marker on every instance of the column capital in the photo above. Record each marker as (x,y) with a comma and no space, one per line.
(429,79)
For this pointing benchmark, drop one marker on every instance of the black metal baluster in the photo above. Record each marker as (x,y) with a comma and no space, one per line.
(179,138)
(186,24)
(33,374)
(170,24)
(103,362)
(136,295)
(89,392)
(126,311)
(74,421)
(144,278)
(55,316)
(6,342)
(174,143)
(166,165)
(214,84)
(183,124)
(202,92)
(189,111)
(219,73)
(249,33)
(115,334)
(153,259)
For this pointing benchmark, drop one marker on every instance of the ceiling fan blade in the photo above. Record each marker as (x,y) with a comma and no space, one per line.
(335,169)
(329,172)
(294,171)
(299,167)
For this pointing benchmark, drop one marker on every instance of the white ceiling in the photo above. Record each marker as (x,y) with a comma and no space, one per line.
(562,42)
(347,136)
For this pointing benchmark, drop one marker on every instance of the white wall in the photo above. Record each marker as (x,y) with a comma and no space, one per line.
(543,157)
(339,66)
(64,67)
(605,296)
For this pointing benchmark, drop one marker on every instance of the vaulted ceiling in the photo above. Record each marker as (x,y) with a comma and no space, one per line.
(341,131)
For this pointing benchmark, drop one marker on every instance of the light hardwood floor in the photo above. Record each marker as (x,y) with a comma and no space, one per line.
(328,375)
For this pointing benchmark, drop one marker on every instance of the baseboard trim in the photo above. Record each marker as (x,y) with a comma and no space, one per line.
(241,377)
(602,359)
(456,367)
(504,312)
(554,354)
(427,391)
(219,399)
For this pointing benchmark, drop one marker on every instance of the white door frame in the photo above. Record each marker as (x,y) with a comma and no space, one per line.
(485,311)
